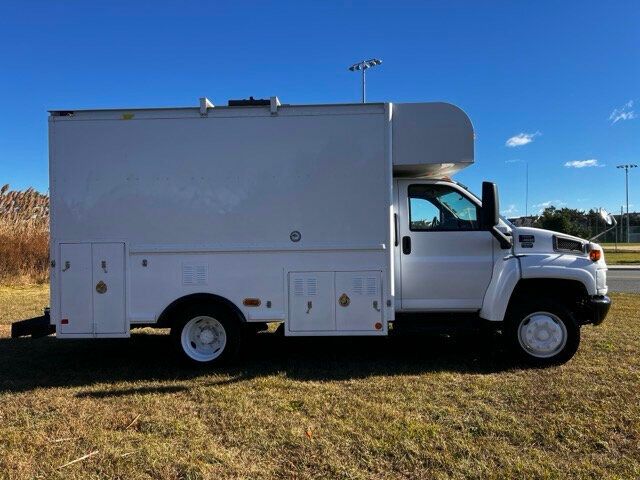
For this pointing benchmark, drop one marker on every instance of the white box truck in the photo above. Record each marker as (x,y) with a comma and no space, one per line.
(330,219)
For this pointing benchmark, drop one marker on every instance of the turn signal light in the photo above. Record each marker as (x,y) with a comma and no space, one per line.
(595,255)
(251,302)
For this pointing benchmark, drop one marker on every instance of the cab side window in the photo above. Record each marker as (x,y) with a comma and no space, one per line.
(440,208)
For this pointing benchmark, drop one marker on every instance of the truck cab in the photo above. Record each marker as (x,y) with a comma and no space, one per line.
(539,286)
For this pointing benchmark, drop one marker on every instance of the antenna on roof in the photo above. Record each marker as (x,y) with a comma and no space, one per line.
(205,105)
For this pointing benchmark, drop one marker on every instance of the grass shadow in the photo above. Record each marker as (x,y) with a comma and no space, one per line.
(27,364)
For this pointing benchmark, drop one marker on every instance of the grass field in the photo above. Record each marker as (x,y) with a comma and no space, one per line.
(621,247)
(304,408)
(622,254)
(622,258)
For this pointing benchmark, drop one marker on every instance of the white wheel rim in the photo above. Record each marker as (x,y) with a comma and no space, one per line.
(203,338)
(542,334)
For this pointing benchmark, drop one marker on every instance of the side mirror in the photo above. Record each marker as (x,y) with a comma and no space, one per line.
(490,214)
(490,205)
(607,217)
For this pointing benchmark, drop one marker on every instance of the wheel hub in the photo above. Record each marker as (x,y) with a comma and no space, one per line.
(542,334)
(203,338)
(207,336)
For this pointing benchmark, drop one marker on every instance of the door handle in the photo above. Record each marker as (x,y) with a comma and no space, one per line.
(395,229)
(406,245)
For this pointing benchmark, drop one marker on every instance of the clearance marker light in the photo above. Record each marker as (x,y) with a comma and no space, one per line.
(251,302)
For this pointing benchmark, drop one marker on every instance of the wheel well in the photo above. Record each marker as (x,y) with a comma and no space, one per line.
(165,318)
(570,293)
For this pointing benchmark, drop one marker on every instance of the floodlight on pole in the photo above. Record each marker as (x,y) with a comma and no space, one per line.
(363,66)
(627,167)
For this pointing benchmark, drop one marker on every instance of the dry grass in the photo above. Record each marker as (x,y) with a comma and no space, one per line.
(621,247)
(622,254)
(622,258)
(24,236)
(317,408)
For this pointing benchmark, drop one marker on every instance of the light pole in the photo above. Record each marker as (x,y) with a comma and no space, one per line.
(363,66)
(526,195)
(626,184)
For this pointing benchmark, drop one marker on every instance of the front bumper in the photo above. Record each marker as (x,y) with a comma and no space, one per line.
(596,309)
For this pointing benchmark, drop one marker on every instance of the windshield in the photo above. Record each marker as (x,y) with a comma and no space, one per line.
(502,217)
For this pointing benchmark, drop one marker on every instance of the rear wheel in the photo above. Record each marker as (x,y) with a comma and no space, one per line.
(543,333)
(206,335)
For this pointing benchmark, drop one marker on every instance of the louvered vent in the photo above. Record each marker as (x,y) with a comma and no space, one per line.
(358,285)
(372,286)
(305,286)
(312,286)
(567,245)
(365,286)
(194,274)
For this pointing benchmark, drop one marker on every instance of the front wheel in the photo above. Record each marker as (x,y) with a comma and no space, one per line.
(206,335)
(543,333)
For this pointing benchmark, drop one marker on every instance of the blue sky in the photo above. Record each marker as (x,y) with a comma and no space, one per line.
(556,71)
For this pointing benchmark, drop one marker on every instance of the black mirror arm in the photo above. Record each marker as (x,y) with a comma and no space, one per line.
(503,240)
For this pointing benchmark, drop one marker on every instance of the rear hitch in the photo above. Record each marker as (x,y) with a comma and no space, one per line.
(34,327)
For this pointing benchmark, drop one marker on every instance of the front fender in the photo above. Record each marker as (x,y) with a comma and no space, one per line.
(561,266)
(506,274)
(510,270)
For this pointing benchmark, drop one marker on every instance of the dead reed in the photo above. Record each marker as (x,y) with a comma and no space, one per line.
(24,236)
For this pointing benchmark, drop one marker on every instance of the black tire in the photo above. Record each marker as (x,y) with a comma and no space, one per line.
(517,342)
(229,323)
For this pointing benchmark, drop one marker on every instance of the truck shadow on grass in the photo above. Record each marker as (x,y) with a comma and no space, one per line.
(27,364)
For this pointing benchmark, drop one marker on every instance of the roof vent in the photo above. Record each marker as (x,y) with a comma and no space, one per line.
(251,102)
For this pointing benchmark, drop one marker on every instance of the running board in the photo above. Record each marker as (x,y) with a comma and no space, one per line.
(34,327)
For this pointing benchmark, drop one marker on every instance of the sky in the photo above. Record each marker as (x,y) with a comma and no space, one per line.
(552,85)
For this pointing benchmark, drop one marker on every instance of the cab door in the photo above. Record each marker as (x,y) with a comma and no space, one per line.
(446,260)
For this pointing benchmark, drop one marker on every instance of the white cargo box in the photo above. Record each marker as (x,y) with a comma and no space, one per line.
(291,205)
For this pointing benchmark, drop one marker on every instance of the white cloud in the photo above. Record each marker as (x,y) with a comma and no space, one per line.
(549,203)
(510,211)
(515,160)
(592,162)
(623,113)
(521,139)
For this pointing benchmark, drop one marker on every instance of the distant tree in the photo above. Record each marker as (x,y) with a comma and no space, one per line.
(565,220)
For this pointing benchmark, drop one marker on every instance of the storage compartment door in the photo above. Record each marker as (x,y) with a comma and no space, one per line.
(358,301)
(76,315)
(108,288)
(311,302)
